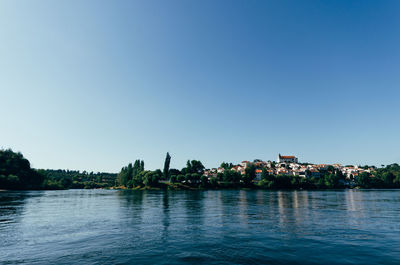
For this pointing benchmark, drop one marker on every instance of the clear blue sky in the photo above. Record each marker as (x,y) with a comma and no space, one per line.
(93,85)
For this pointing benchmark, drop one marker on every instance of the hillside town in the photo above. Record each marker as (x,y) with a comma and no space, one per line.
(290,165)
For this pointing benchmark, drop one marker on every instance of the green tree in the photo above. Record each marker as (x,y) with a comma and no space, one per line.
(151,178)
(220,176)
(174,171)
(138,179)
(364,180)
(249,175)
(396,181)
(331,181)
(123,176)
(173,179)
(213,182)
(180,178)
(17,173)
(231,176)
(193,166)
(203,181)
(226,165)
(388,179)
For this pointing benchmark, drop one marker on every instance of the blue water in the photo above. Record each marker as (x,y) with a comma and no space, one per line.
(200,227)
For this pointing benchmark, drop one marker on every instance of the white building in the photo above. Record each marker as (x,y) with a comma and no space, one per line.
(245,164)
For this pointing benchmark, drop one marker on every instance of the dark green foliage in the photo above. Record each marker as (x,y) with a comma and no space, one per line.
(16,172)
(151,178)
(135,176)
(173,179)
(331,181)
(129,176)
(296,182)
(231,176)
(367,180)
(137,180)
(204,182)
(388,178)
(192,178)
(174,171)
(278,182)
(385,177)
(364,180)
(286,182)
(250,174)
(159,173)
(125,175)
(193,166)
(74,179)
(226,165)
(180,178)
(213,182)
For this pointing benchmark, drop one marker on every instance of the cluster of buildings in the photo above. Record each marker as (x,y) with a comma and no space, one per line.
(289,165)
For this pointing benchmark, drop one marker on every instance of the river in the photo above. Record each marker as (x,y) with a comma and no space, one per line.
(200,227)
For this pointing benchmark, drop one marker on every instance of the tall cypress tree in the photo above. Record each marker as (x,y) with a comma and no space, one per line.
(123,176)
(189,167)
(166,166)
(142,165)
(135,170)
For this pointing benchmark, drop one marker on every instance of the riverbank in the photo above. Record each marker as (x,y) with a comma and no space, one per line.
(224,186)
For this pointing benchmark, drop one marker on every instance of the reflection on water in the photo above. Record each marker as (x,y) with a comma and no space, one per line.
(11,205)
(12,211)
(192,227)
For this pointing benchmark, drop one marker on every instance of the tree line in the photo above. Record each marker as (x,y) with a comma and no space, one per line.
(385,177)
(16,173)
(135,176)
(190,176)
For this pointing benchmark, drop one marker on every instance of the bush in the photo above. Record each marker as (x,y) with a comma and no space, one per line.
(173,179)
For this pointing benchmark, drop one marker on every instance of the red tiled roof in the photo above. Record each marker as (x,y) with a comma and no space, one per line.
(287,157)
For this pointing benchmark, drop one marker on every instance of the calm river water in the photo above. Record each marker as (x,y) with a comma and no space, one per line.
(200,227)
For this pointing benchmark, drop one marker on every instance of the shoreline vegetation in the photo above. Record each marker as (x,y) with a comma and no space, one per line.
(16,174)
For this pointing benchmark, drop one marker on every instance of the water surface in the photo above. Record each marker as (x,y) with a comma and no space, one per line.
(200,227)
